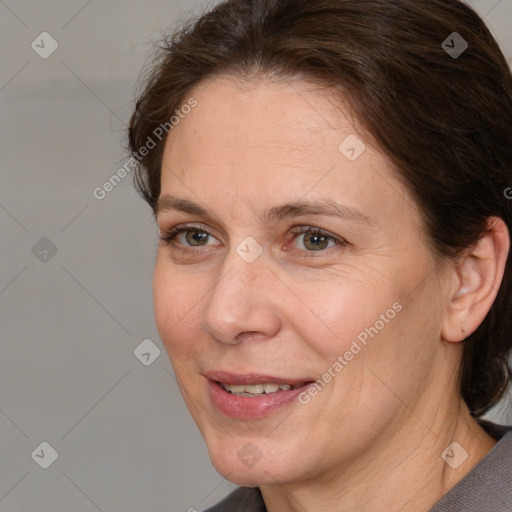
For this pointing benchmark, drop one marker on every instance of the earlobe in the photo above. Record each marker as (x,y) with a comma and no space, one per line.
(477,278)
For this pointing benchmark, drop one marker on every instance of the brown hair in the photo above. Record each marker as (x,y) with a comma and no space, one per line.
(444,120)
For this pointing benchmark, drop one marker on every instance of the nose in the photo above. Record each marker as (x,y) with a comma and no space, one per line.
(243,304)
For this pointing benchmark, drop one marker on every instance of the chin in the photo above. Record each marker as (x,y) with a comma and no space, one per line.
(240,462)
(247,478)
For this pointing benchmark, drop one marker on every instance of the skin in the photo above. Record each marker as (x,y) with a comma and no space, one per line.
(372,439)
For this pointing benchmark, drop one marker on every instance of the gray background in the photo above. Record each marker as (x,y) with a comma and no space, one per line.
(70,321)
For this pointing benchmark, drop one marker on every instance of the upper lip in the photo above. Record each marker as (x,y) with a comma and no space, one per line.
(252,378)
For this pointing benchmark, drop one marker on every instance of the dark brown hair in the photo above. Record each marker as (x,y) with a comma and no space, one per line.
(444,120)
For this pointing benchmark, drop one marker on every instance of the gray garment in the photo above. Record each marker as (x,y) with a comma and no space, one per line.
(486,488)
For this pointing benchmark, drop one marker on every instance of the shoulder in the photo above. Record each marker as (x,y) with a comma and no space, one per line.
(243,499)
(487,485)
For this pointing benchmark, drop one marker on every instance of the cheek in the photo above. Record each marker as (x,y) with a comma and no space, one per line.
(365,338)
(176,305)
(340,311)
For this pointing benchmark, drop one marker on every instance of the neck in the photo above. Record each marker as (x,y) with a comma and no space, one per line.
(405,471)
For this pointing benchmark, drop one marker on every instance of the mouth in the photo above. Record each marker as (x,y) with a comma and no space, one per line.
(252,396)
(252,390)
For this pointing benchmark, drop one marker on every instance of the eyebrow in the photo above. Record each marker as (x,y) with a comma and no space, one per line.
(294,209)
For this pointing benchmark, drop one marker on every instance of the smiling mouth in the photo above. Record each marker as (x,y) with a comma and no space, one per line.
(251,396)
(255,390)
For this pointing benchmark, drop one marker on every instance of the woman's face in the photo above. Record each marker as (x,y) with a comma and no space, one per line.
(300,259)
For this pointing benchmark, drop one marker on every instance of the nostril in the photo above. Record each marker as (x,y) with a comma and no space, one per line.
(250,336)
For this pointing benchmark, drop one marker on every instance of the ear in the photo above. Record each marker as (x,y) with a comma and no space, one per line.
(476,280)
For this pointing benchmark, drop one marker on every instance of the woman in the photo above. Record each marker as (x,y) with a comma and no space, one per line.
(333,279)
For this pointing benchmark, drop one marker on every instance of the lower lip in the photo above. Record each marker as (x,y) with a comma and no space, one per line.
(244,407)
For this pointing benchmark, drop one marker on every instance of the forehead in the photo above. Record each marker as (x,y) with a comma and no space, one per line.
(279,114)
(270,142)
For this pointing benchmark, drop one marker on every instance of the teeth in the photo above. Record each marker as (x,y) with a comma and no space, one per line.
(270,388)
(256,389)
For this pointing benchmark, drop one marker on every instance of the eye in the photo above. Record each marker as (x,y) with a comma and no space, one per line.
(315,239)
(188,236)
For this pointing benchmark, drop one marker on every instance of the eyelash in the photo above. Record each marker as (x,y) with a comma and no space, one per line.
(304,230)
(172,233)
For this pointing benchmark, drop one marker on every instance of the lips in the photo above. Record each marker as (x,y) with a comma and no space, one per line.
(251,396)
